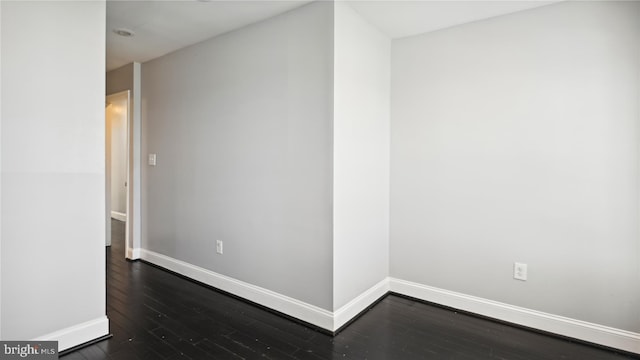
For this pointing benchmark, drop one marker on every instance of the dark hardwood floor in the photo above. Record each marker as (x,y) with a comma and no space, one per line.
(157,315)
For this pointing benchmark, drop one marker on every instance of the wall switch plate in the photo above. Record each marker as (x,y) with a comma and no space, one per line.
(152,159)
(520,271)
(219,246)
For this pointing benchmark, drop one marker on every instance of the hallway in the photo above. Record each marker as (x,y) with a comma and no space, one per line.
(158,315)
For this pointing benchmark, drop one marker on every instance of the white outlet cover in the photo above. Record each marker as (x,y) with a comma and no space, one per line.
(520,271)
(219,246)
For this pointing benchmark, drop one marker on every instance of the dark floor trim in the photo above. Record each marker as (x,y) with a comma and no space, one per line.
(84,345)
(518,326)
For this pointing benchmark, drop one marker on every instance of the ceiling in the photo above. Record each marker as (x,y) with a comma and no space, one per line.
(405,18)
(162,26)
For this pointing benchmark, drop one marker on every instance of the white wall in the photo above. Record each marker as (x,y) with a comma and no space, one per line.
(242,128)
(360,155)
(53,262)
(516,139)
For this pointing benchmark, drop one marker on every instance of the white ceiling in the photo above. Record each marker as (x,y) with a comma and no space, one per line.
(405,18)
(162,26)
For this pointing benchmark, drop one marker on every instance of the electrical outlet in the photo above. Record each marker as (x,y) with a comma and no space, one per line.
(219,246)
(520,271)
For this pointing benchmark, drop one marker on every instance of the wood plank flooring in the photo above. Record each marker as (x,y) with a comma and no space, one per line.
(157,315)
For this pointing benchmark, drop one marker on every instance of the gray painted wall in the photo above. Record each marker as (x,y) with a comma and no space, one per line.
(52,167)
(360,155)
(120,79)
(516,139)
(242,128)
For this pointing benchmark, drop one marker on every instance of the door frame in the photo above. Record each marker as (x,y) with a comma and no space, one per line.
(127,93)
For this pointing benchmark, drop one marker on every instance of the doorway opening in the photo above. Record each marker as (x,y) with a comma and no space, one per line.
(117,177)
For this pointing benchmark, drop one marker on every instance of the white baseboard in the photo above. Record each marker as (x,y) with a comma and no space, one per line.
(582,330)
(284,304)
(133,253)
(350,310)
(78,334)
(118,215)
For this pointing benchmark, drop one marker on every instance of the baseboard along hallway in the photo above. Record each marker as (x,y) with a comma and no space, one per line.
(155,314)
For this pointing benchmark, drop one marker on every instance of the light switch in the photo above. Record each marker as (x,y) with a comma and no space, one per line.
(152,159)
